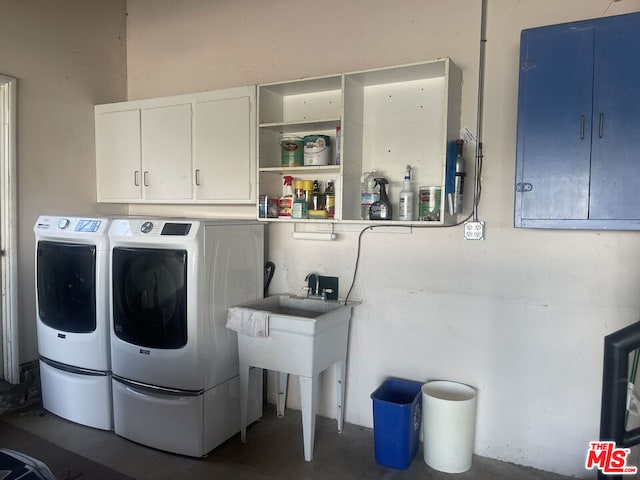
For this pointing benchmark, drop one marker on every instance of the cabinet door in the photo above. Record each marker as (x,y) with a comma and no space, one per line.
(118,173)
(615,168)
(554,125)
(166,152)
(223,154)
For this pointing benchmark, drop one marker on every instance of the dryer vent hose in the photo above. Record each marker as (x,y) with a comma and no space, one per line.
(269,269)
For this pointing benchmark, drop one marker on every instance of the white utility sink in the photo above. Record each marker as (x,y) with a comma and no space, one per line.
(306,336)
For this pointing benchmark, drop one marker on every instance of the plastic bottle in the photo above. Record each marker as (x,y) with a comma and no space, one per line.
(330,199)
(338,143)
(286,200)
(459,180)
(368,194)
(307,186)
(317,205)
(298,189)
(299,208)
(381,209)
(317,197)
(407,198)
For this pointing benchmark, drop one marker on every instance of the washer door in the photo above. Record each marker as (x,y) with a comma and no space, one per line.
(150,297)
(66,286)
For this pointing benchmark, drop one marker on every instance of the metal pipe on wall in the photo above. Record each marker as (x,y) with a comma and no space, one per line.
(481,68)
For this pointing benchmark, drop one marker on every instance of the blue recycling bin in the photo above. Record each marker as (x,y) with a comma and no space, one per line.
(396,422)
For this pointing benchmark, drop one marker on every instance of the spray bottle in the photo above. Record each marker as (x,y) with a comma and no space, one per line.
(381,210)
(286,200)
(407,198)
(368,194)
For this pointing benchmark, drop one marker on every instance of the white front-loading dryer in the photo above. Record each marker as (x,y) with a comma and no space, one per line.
(174,362)
(72,310)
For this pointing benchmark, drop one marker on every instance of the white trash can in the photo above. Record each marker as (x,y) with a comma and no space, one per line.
(448,425)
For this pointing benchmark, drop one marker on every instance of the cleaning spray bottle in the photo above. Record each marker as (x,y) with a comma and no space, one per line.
(407,198)
(368,194)
(286,200)
(381,210)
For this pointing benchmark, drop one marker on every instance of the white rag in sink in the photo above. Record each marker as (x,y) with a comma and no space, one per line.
(253,323)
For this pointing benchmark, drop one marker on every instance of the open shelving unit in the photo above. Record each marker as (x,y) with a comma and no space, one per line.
(389,118)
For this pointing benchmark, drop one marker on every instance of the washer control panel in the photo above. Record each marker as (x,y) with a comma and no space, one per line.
(71,224)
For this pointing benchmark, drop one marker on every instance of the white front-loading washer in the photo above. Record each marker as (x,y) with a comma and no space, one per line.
(72,309)
(174,363)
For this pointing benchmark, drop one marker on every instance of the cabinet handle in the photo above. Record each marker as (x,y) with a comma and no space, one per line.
(582,127)
(146,178)
(136,178)
(601,124)
(198,176)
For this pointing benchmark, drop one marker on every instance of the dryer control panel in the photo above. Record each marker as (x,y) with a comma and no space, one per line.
(176,229)
(70,225)
(179,229)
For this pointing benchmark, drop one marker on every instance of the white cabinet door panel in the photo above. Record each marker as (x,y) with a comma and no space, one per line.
(222,150)
(166,152)
(118,173)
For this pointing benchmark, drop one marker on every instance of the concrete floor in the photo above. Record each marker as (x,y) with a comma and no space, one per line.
(273,450)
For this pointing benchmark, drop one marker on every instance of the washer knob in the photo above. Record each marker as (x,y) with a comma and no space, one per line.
(146,227)
(64,223)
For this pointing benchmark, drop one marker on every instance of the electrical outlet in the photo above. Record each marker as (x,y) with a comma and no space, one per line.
(328,285)
(474,231)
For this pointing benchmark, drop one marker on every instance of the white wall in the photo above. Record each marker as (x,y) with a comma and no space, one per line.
(67,56)
(521,315)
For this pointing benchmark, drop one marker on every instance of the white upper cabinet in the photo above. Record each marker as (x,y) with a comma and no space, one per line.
(196,148)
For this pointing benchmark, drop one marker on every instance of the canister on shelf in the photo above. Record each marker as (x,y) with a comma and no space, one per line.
(262,207)
(268,207)
(316,150)
(429,199)
(291,151)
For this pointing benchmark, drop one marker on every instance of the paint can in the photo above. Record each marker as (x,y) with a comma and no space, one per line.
(291,147)
(268,207)
(429,200)
(316,150)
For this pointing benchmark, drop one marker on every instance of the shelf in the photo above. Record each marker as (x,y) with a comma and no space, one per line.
(363,223)
(316,169)
(388,118)
(302,125)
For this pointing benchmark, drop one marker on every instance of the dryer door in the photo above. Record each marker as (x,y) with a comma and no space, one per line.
(150,296)
(66,286)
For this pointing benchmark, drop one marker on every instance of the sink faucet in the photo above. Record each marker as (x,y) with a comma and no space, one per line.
(313,284)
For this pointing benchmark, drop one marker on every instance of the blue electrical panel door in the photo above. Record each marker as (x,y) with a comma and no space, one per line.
(554,124)
(578,140)
(615,154)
